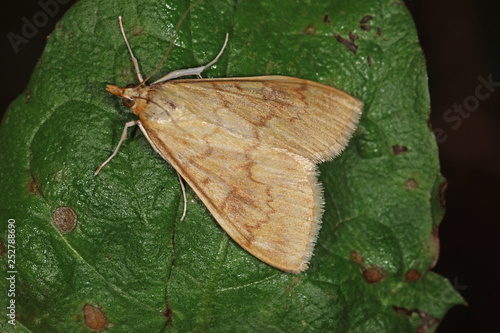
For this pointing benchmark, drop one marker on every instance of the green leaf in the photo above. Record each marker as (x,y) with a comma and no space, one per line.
(131,258)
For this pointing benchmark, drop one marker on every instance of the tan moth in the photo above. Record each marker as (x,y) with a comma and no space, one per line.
(248,147)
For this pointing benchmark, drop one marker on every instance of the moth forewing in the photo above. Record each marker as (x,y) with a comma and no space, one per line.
(266,198)
(310,119)
(248,147)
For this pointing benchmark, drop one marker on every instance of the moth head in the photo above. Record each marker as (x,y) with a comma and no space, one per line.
(128,94)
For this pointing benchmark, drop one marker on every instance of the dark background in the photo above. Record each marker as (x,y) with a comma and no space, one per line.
(461,41)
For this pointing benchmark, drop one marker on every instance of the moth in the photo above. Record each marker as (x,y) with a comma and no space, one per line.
(248,147)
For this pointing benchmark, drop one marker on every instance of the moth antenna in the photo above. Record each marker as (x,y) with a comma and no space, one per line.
(134,59)
(193,71)
(171,40)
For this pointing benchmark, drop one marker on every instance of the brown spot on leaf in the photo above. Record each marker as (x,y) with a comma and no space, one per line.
(442,193)
(412,275)
(168,313)
(309,30)
(402,312)
(349,43)
(363,23)
(428,322)
(379,31)
(326,19)
(397,149)
(65,219)
(95,319)
(356,257)
(369,60)
(33,187)
(411,184)
(373,274)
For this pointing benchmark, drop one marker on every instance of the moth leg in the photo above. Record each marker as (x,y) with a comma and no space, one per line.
(193,71)
(181,182)
(134,59)
(122,138)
